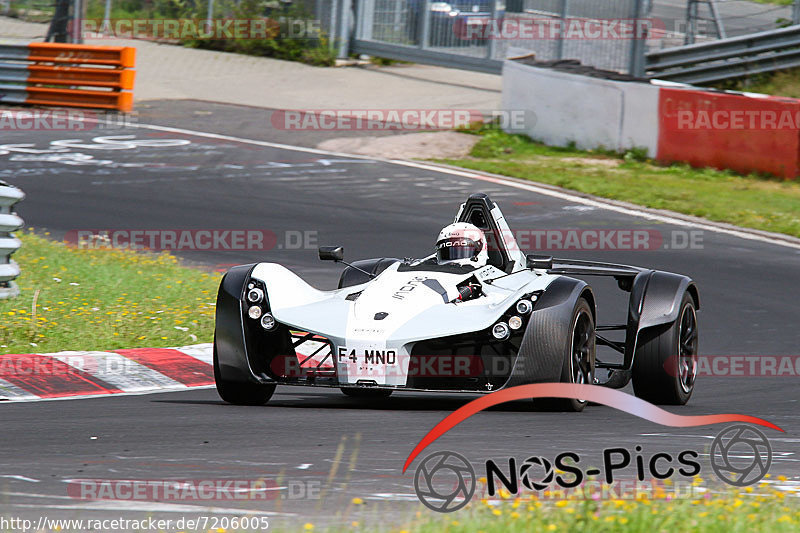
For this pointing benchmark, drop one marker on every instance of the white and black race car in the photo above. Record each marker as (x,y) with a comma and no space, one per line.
(451,322)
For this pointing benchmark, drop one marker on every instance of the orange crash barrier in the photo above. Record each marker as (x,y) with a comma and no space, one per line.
(73,75)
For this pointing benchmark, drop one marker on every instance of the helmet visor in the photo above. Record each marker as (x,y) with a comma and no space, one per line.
(456,248)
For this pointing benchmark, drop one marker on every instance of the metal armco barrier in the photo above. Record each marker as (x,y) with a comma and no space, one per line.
(724,59)
(9,221)
(74,75)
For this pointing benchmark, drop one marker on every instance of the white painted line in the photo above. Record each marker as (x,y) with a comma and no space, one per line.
(19,478)
(508,182)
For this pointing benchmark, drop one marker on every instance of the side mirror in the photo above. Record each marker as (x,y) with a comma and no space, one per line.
(542,262)
(331,253)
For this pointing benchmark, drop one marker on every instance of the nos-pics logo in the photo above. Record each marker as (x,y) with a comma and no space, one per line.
(445,481)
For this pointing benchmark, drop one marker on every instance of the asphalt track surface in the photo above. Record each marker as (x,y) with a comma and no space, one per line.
(748,288)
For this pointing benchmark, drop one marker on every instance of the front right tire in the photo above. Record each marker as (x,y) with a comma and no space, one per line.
(240,393)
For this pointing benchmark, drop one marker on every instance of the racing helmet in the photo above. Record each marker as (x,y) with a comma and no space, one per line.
(461,244)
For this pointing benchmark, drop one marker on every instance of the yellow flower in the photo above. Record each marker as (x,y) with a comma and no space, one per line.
(497,512)
(308,526)
(780,478)
(551,527)
(358,501)
(562,503)
(354,524)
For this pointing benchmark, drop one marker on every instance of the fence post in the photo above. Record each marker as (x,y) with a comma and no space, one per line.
(636,65)
(423,39)
(796,12)
(344,34)
(107,15)
(563,15)
(78,7)
(491,48)
(9,221)
(365,19)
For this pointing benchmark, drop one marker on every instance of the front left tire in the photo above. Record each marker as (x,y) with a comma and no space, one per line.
(665,363)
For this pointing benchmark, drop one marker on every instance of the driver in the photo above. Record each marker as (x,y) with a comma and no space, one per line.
(461,244)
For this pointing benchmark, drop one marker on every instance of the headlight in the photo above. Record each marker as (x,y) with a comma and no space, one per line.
(515,322)
(268,321)
(500,331)
(524,307)
(254,312)
(255,295)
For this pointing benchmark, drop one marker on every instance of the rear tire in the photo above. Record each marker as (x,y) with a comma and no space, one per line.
(355,392)
(665,363)
(240,393)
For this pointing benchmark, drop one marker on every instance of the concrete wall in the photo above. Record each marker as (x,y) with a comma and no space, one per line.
(591,112)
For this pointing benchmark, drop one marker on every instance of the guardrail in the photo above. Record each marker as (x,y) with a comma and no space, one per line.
(74,75)
(9,222)
(724,59)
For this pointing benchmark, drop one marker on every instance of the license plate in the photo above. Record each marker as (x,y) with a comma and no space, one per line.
(370,357)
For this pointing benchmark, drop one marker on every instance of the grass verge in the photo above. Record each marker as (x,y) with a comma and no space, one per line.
(102,299)
(751,201)
(762,510)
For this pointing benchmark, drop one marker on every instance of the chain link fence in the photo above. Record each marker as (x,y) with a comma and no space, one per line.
(491,29)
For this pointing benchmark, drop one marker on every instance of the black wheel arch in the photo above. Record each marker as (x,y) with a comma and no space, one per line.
(552,313)
(655,301)
(229,336)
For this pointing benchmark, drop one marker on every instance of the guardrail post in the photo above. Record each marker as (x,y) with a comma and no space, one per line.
(796,12)
(9,221)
